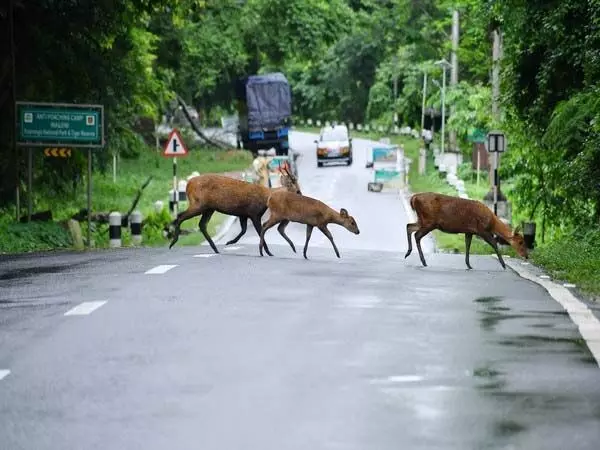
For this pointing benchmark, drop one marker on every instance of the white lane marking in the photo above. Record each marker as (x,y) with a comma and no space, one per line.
(587,323)
(160,269)
(398,379)
(232,248)
(84,308)
(204,255)
(4,373)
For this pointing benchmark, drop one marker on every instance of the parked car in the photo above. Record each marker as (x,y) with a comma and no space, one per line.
(334,144)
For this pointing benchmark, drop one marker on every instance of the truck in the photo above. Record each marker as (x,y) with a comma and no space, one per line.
(264,106)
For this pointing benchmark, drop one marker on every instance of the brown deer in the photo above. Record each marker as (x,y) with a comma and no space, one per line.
(286,207)
(457,215)
(208,193)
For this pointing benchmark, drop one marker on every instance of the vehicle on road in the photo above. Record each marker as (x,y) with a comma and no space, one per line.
(264,104)
(334,144)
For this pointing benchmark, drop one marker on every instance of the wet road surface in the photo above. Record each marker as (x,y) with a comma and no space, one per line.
(185,349)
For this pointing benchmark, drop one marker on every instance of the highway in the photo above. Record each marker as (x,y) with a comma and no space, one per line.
(185,349)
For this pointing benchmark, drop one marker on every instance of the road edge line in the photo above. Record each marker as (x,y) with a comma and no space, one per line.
(587,323)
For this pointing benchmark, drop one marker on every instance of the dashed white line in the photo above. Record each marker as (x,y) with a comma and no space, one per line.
(4,373)
(158,270)
(204,255)
(84,308)
(232,248)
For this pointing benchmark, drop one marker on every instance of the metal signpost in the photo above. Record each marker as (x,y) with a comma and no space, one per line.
(174,148)
(60,124)
(496,143)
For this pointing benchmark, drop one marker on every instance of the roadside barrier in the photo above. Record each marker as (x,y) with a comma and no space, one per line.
(114,229)
(136,227)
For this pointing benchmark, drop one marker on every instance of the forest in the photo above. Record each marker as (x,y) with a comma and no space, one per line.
(341,58)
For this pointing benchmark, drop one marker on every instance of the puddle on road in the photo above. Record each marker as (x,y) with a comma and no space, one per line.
(507,428)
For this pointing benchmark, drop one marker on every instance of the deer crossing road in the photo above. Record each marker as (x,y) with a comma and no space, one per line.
(187,349)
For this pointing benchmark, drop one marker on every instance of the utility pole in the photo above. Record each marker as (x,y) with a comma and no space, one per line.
(495,194)
(445,65)
(423,105)
(454,70)
(395,93)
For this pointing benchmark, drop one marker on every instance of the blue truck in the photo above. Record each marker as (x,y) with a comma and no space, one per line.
(264,105)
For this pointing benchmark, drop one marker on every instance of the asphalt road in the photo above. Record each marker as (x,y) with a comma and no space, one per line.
(185,349)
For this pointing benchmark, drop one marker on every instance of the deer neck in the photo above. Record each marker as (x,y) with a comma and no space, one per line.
(502,230)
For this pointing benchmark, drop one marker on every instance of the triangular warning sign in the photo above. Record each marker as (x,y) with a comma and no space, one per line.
(175,145)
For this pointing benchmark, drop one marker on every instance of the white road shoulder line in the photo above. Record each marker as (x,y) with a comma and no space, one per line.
(4,373)
(588,324)
(84,308)
(409,211)
(158,270)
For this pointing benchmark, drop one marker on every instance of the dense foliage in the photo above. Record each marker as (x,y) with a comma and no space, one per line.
(341,57)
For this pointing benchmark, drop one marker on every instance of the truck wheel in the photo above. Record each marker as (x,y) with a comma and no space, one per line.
(319,164)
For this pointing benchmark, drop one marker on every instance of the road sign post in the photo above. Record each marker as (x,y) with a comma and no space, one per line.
(59,124)
(174,148)
(496,144)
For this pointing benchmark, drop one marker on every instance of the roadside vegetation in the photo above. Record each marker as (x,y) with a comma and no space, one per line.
(109,196)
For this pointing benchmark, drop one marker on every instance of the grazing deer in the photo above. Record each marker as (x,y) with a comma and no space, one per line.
(208,193)
(286,207)
(457,215)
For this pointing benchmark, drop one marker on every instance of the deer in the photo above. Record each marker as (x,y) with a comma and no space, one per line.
(208,193)
(457,215)
(286,207)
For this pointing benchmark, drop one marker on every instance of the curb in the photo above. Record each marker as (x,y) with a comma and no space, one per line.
(587,323)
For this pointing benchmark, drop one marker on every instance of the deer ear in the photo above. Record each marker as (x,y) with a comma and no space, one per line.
(343,212)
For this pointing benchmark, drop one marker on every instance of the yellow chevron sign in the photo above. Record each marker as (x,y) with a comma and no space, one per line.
(57,152)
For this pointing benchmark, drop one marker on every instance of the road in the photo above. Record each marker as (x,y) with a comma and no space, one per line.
(186,349)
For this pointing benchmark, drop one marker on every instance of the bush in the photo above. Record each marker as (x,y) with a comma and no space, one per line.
(34,236)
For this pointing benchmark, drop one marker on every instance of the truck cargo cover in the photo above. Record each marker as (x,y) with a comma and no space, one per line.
(268,100)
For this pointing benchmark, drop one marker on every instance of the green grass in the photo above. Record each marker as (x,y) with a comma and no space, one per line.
(575,259)
(110,196)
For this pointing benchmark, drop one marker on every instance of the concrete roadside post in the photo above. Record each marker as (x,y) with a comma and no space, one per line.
(114,229)
(136,227)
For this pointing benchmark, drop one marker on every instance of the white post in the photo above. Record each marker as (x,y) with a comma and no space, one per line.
(443,107)
(114,229)
(136,227)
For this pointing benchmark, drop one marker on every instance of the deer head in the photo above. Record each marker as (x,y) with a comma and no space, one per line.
(289,181)
(517,241)
(348,222)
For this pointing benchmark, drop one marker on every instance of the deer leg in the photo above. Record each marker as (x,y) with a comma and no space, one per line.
(468,239)
(244,225)
(489,238)
(281,229)
(265,226)
(202,225)
(257,227)
(410,229)
(182,216)
(420,234)
(309,229)
(327,233)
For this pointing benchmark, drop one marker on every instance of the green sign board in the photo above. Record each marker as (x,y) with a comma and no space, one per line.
(477,135)
(53,124)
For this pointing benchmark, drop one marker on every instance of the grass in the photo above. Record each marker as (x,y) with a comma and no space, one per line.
(110,196)
(575,259)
